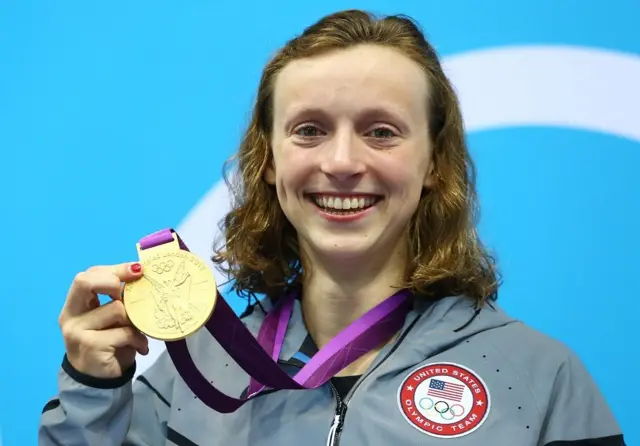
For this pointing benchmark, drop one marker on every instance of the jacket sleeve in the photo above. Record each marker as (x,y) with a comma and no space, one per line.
(578,413)
(108,412)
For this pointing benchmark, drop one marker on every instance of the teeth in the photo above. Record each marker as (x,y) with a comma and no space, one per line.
(343,203)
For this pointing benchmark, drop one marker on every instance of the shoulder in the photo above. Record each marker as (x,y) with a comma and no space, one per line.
(568,399)
(547,365)
(254,314)
(523,344)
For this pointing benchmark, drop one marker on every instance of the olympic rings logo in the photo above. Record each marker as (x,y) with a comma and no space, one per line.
(162,267)
(446,411)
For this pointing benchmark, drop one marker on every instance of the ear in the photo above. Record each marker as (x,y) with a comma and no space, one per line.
(270,174)
(430,177)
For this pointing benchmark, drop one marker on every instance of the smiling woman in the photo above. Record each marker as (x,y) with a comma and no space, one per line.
(346,147)
(354,217)
(356,135)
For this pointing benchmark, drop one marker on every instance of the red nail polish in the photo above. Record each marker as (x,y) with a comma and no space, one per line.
(136,268)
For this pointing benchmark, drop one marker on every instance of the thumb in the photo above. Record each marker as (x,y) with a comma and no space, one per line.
(128,272)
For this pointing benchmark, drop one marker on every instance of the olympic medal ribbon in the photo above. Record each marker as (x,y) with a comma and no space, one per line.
(371,330)
(258,357)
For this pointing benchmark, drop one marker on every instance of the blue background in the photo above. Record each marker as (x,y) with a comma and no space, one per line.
(115,119)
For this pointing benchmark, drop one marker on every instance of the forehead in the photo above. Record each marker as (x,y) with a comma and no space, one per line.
(359,76)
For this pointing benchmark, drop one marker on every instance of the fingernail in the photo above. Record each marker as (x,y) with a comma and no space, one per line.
(136,268)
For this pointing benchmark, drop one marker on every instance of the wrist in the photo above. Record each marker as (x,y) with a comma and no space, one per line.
(98,383)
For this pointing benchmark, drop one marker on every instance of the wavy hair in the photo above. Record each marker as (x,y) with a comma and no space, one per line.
(259,246)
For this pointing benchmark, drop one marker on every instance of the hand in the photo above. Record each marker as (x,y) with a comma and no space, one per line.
(100,340)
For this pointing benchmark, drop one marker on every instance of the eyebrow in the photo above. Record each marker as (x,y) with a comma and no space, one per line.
(304,112)
(386,113)
(370,113)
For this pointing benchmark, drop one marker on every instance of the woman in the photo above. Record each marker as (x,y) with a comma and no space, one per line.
(354,182)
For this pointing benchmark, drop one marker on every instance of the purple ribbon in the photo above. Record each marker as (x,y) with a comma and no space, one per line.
(259,357)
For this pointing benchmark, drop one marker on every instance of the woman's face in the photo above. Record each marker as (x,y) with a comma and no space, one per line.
(351,150)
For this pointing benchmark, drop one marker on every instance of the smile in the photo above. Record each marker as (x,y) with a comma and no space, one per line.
(344,205)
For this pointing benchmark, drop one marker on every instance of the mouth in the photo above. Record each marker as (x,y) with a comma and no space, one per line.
(344,205)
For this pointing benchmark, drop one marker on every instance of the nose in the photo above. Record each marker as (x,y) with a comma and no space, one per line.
(343,158)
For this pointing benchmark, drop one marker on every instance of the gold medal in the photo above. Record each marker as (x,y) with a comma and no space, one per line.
(174,297)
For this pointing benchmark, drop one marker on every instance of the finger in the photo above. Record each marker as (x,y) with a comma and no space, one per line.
(84,289)
(119,338)
(125,272)
(112,314)
(122,337)
(97,280)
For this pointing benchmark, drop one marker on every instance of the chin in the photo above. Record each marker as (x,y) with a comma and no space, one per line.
(343,248)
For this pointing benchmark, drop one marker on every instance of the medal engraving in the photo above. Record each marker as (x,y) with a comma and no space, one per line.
(175,296)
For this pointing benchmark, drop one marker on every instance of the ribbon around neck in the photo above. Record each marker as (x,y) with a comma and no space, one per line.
(258,357)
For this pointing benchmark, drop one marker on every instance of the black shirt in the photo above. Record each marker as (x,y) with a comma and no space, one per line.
(344,383)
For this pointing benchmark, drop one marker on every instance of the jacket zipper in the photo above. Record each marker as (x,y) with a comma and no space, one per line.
(341,408)
(336,426)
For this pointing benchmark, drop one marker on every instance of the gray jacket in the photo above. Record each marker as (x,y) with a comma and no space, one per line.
(455,376)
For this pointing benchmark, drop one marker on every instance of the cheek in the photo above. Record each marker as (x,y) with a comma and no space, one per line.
(292,172)
(408,173)
(405,180)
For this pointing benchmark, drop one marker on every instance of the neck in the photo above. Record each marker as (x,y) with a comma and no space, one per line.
(335,297)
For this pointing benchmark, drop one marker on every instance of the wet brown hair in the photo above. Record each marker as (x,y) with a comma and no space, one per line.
(261,251)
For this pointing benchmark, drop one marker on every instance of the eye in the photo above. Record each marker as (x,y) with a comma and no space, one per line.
(382,133)
(308,131)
